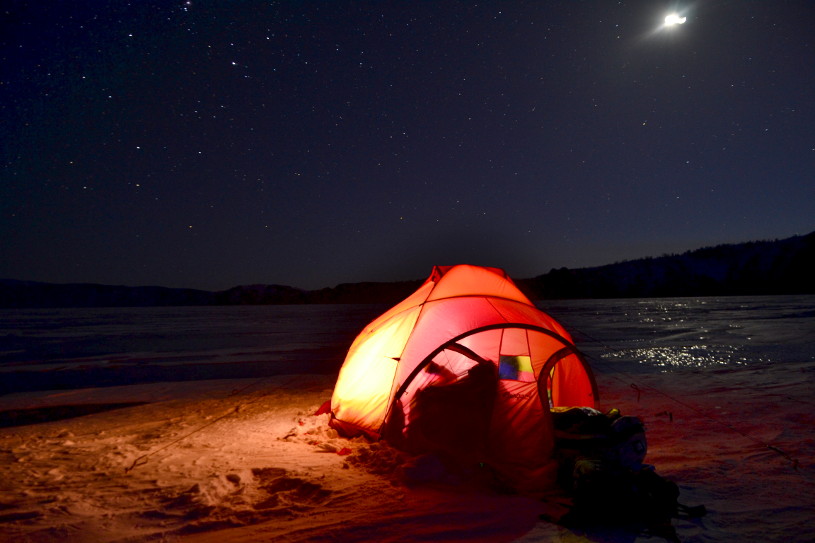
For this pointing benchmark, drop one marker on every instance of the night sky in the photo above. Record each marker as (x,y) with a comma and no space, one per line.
(212,144)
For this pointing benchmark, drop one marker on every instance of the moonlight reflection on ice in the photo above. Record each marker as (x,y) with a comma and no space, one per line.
(691,356)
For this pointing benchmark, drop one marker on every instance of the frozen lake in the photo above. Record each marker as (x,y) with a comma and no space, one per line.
(723,385)
(72,348)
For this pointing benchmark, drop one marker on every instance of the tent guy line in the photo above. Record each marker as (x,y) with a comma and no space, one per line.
(142,460)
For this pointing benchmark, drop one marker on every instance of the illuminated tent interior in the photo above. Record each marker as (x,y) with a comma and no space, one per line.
(469,368)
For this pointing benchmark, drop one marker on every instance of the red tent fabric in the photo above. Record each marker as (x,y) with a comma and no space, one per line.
(465,366)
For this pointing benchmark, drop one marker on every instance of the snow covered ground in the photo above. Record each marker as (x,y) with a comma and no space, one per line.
(199,459)
(247,460)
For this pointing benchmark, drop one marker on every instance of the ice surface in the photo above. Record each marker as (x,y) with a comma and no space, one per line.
(723,385)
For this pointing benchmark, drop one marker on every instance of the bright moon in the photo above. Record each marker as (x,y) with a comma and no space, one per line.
(674,19)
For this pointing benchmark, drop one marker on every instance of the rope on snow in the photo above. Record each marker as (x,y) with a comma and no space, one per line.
(142,460)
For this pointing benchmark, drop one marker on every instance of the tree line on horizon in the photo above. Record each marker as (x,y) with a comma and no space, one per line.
(751,268)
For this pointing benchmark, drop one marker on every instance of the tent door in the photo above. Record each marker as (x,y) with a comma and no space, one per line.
(454,419)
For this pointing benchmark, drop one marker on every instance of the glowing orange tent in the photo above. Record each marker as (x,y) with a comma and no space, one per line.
(466,366)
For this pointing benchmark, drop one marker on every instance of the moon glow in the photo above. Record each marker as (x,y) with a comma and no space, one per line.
(674,19)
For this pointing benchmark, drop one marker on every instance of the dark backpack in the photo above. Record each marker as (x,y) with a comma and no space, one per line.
(602,469)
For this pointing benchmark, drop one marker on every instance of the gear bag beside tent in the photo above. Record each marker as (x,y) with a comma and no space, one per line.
(466,367)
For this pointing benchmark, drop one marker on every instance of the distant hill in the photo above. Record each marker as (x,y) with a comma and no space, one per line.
(32,294)
(757,267)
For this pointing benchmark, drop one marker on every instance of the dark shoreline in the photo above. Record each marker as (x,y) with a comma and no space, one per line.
(753,268)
